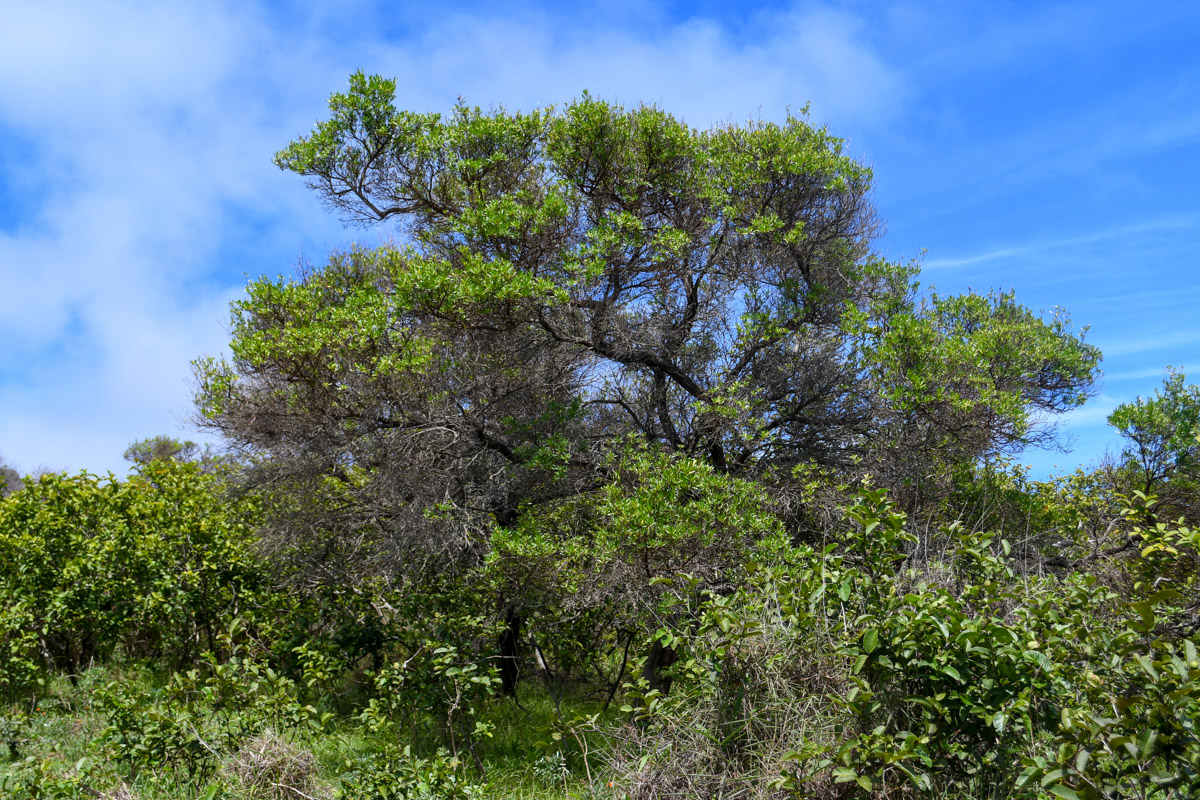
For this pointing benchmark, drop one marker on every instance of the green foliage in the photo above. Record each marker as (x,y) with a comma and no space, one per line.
(65,547)
(597,573)
(396,774)
(969,377)
(659,514)
(959,678)
(437,686)
(154,564)
(201,715)
(1066,516)
(1162,454)
(38,779)
(665,514)
(1168,555)
(445,689)
(1131,732)
(21,674)
(746,687)
(20,662)
(164,448)
(865,665)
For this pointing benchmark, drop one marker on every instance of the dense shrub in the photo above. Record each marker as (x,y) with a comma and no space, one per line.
(201,716)
(155,565)
(1040,647)
(956,676)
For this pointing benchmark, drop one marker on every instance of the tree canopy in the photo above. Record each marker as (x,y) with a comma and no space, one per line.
(568,277)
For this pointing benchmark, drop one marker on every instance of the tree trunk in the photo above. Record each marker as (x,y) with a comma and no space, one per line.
(659,659)
(510,653)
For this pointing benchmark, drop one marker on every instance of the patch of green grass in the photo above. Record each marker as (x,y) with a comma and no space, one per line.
(523,758)
(529,754)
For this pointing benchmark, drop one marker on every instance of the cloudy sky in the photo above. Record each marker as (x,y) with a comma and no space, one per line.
(1049,148)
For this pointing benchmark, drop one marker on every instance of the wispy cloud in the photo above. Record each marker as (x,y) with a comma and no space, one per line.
(1135,375)
(1144,342)
(1038,247)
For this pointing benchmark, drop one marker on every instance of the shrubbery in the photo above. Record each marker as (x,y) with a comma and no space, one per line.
(155,566)
(953,677)
(950,662)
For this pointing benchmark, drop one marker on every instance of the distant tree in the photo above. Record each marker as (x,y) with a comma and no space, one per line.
(161,448)
(1161,453)
(10,479)
(166,448)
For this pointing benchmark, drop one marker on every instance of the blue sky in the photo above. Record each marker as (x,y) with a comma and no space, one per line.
(1049,148)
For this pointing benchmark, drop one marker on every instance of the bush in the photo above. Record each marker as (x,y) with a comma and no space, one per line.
(394,773)
(155,566)
(955,676)
(202,716)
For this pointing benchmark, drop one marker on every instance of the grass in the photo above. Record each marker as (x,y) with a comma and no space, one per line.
(529,753)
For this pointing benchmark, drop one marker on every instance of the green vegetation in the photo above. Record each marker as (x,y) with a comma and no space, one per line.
(630,472)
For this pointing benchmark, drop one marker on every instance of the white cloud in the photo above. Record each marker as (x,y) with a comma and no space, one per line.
(694,68)
(147,147)
(149,191)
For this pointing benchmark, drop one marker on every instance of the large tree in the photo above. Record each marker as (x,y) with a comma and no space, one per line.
(565,278)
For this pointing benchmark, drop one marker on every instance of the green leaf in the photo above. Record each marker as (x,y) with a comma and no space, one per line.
(844,775)
(1147,742)
(870,640)
(1027,774)
(1053,777)
(1039,658)
(1145,610)
(1148,667)
(1065,792)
